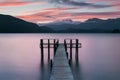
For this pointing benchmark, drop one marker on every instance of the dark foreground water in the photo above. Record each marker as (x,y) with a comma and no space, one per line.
(99,57)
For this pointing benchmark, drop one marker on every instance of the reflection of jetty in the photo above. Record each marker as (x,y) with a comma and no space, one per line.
(60,69)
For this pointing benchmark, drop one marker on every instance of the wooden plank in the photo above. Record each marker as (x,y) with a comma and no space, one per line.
(61,69)
(45,45)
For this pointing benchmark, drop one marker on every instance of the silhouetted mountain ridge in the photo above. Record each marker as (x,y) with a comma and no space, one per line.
(9,24)
(61,24)
(90,25)
(93,20)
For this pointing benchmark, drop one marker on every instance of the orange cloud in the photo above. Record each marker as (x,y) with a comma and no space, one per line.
(18,3)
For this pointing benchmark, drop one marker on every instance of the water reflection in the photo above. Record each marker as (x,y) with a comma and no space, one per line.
(44,71)
(45,64)
(99,57)
(75,65)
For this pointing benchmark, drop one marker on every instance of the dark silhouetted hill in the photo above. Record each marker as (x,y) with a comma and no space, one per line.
(9,24)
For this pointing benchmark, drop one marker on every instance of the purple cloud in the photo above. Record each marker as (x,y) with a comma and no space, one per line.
(79,4)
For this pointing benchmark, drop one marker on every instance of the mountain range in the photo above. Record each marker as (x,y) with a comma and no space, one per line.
(10,24)
(90,25)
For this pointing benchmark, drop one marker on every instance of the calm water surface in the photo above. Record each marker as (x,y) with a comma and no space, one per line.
(99,57)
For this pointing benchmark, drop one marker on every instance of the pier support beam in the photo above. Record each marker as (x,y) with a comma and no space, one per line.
(57,44)
(54,46)
(70,49)
(51,65)
(42,49)
(65,45)
(48,50)
(76,55)
(53,43)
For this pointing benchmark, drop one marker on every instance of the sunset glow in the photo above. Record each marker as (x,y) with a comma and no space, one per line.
(40,11)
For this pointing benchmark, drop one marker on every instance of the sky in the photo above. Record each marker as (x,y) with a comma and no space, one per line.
(44,11)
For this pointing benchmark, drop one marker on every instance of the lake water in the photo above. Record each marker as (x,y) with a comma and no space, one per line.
(99,57)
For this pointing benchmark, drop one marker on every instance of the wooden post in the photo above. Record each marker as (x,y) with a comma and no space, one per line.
(48,49)
(54,46)
(65,45)
(42,49)
(70,49)
(57,43)
(76,55)
(51,65)
(67,54)
(69,62)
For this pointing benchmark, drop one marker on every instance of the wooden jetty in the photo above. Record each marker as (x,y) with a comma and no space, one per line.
(60,68)
(48,43)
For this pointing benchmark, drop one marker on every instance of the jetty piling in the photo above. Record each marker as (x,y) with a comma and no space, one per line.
(48,49)
(70,50)
(60,66)
(77,44)
(41,46)
(48,43)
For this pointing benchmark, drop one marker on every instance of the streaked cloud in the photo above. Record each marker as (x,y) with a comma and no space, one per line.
(48,12)
(51,10)
(19,0)
(97,13)
(19,3)
(1,8)
(113,3)
(46,15)
(79,4)
(53,14)
(61,8)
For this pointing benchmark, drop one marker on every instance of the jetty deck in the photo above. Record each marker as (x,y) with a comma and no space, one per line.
(61,69)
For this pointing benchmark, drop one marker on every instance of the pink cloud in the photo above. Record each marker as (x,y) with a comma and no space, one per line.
(53,14)
(18,3)
(43,16)
(113,3)
(18,0)
(49,14)
(67,8)
(117,5)
(46,12)
(35,18)
(1,8)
